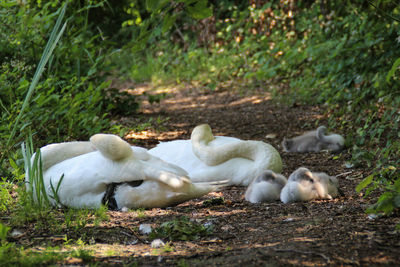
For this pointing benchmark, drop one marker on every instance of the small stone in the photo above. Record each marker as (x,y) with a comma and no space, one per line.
(157,243)
(16,233)
(271,136)
(145,229)
(288,220)
(124,209)
(349,165)
(373,216)
(208,225)
(227,228)
(132,242)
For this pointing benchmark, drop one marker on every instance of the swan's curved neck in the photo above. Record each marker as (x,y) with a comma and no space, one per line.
(202,136)
(321,131)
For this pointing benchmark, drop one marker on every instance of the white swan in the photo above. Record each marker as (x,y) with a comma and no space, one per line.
(314,141)
(109,169)
(218,158)
(266,187)
(304,185)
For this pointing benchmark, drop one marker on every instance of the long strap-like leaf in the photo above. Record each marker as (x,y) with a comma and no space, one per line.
(51,44)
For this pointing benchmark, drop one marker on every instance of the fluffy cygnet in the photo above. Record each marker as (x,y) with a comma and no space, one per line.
(304,185)
(266,187)
(314,141)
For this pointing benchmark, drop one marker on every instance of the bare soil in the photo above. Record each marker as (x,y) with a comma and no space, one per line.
(334,232)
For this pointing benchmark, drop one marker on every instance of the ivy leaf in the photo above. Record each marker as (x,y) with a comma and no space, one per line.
(200,10)
(393,70)
(396,201)
(385,203)
(152,5)
(168,22)
(364,183)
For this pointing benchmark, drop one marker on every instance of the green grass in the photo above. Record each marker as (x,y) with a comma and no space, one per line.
(180,229)
(50,46)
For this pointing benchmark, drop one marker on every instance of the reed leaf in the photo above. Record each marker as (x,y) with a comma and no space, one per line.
(51,44)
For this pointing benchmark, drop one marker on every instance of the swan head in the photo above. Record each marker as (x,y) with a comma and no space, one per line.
(202,133)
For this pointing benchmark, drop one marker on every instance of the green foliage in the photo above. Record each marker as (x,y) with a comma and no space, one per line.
(121,103)
(5,195)
(387,178)
(64,99)
(83,254)
(180,229)
(182,263)
(34,172)
(166,248)
(11,255)
(3,232)
(54,38)
(77,219)
(214,202)
(68,98)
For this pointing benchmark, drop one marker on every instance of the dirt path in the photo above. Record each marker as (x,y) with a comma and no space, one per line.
(335,232)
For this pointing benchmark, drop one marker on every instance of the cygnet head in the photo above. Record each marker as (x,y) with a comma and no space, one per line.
(331,183)
(301,174)
(271,177)
(337,143)
(287,144)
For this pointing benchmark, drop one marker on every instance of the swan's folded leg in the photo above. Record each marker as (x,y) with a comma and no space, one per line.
(111,146)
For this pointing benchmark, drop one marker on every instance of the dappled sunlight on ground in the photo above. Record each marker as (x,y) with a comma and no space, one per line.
(185,103)
(151,134)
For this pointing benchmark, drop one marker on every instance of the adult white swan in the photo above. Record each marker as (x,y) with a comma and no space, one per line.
(209,158)
(108,170)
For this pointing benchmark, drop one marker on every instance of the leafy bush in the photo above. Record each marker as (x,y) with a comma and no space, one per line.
(68,101)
